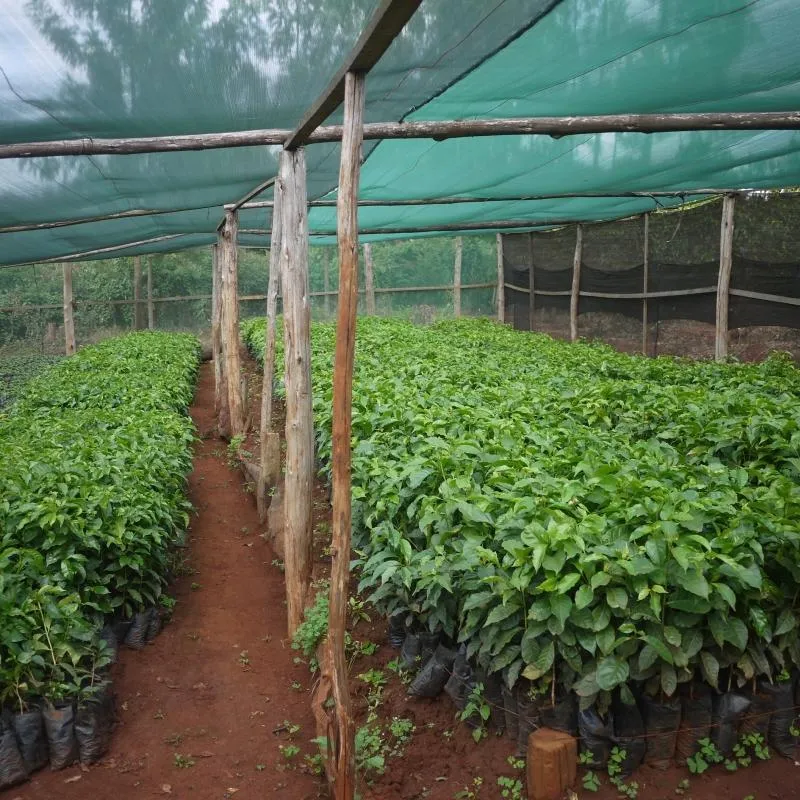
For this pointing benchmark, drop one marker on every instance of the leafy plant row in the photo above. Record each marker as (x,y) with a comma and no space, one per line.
(16,371)
(93,460)
(572,513)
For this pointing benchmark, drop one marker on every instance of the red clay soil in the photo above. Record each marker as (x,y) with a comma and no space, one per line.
(217,681)
(191,693)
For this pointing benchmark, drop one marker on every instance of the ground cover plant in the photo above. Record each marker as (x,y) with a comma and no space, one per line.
(93,461)
(583,521)
(16,371)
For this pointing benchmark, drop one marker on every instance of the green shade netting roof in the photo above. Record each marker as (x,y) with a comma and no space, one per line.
(106,68)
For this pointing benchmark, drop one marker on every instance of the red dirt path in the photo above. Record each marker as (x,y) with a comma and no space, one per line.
(189,682)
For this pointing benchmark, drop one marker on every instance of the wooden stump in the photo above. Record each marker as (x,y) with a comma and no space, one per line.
(552,764)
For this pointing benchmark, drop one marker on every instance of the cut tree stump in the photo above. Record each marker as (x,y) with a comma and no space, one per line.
(552,764)
(276,522)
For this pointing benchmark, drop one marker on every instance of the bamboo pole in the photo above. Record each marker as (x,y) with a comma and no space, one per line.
(369,280)
(438,130)
(297,361)
(457,276)
(137,293)
(69,307)
(576,285)
(501,282)
(531,285)
(724,280)
(645,281)
(347,227)
(220,383)
(270,445)
(151,312)
(228,260)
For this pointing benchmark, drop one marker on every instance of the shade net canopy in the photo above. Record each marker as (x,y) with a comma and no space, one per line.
(104,68)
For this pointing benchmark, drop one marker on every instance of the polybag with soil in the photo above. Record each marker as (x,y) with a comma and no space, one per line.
(12,765)
(417,649)
(32,738)
(94,722)
(432,678)
(597,736)
(59,723)
(661,721)
(629,734)
(727,711)
(695,721)
(782,719)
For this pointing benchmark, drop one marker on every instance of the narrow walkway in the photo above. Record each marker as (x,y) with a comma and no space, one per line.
(219,679)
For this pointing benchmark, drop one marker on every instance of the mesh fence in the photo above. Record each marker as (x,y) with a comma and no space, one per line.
(683,250)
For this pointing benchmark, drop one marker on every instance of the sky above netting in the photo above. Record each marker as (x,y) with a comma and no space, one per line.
(109,68)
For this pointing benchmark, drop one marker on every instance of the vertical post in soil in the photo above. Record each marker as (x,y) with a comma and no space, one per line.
(369,280)
(457,276)
(326,276)
(69,312)
(501,281)
(724,280)
(347,235)
(576,285)
(531,284)
(291,185)
(151,311)
(645,281)
(270,441)
(228,266)
(220,385)
(137,293)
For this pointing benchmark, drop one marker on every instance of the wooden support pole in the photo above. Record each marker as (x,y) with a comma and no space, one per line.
(531,285)
(137,293)
(220,385)
(151,312)
(645,281)
(270,444)
(724,281)
(501,282)
(369,280)
(69,308)
(228,262)
(457,276)
(291,185)
(576,285)
(326,276)
(343,752)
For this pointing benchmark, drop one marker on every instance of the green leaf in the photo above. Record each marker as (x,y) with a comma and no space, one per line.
(726,593)
(672,635)
(600,579)
(786,622)
(541,664)
(499,613)
(587,686)
(617,597)
(561,605)
(611,671)
(661,649)
(710,668)
(694,582)
(583,597)
(669,679)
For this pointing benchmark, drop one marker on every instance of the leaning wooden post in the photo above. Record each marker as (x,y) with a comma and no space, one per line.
(230,320)
(369,280)
(297,364)
(220,383)
(69,312)
(347,235)
(270,441)
(724,280)
(137,293)
(457,276)
(531,284)
(151,311)
(576,285)
(645,282)
(501,281)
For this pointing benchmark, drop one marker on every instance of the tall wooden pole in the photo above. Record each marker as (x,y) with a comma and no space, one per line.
(369,280)
(724,280)
(347,234)
(326,276)
(297,362)
(137,293)
(501,281)
(457,276)
(576,285)
(228,261)
(69,312)
(645,282)
(220,383)
(270,441)
(151,310)
(531,284)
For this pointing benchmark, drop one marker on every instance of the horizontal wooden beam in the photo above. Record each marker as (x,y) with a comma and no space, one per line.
(438,130)
(769,298)
(388,19)
(622,296)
